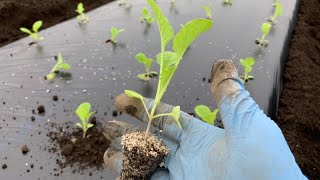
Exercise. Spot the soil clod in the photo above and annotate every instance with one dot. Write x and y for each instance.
(41, 109)
(25, 149)
(4, 166)
(55, 98)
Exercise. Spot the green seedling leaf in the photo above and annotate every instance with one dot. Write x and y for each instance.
(133, 94)
(208, 11)
(82, 18)
(36, 26)
(278, 11)
(247, 64)
(227, 2)
(175, 113)
(146, 16)
(166, 30)
(205, 113)
(188, 34)
(84, 114)
(114, 33)
(142, 58)
(65, 66)
(80, 8)
(266, 27)
(25, 30)
(60, 65)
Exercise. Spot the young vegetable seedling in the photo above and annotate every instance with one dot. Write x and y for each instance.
(82, 18)
(169, 60)
(247, 64)
(277, 12)
(84, 114)
(227, 2)
(265, 28)
(208, 11)
(146, 16)
(142, 58)
(35, 28)
(56, 68)
(122, 2)
(114, 34)
(205, 113)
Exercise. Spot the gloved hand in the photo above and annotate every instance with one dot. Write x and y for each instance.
(250, 147)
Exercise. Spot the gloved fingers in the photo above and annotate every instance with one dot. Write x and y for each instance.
(167, 124)
(114, 130)
(113, 159)
(160, 174)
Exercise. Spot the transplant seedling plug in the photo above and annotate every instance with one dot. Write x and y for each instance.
(247, 66)
(84, 114)
(60, 65)
(146, 16)
(35, 28)
(82, 18)
(205, 113)
(114, 34)
(142, 58)
(265, 28)
(277, 12)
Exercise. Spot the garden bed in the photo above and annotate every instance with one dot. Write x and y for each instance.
(100, 71)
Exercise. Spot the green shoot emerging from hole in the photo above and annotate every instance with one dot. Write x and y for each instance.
(142, 58)
(122, 2)
(277, 12)
(247, 64)
(56, 68)
(82, 18)
(227, 2)
(208, 11)
(35, 28)
(146, 16)
(114, 34)
(265, 28)
(84, 114)
(205, 113)
(169, 60)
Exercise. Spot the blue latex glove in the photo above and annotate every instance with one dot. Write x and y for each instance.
(250, 147)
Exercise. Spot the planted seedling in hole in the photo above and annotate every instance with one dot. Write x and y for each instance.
(142, 58)
(146, 16)
(277, 12)
(56, 68)
(35, 28)
(227, 2)
(82, 18)
(265, 28)
(169, 60)
(114, 34)
(208, 11)
(84, 114)
(122, 2)
(205, 113)
(247, 64)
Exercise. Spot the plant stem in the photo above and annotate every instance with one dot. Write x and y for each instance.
(262, 39)
(84, 134)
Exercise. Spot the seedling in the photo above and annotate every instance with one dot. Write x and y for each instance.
(58, 67)
(122, 2)
(275, 2)
(146, 16)
(114, 34)
(205, 113)
(227, 2)
(265, 28)
(142, 58)
(169, 60)
(84, 114)
(277, 12)
(208, 11)
(172, 2)
(82, 18)
(247, 64)
(35, 28)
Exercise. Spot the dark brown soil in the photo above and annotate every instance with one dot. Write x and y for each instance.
(299, 112)
(82, 153)
(50, 11)
(41, 109)
(25, 149)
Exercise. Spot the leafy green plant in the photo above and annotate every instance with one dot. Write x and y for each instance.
(208, 11)
(265, 28)
(146, 16)
(247, 64)
(84, 114)
(277, 12)
(60, 65)
(205, 113)
(81, 15)
(227, 2)
(114, 34)
(35, 28)
(169, 60)
(142, 58)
